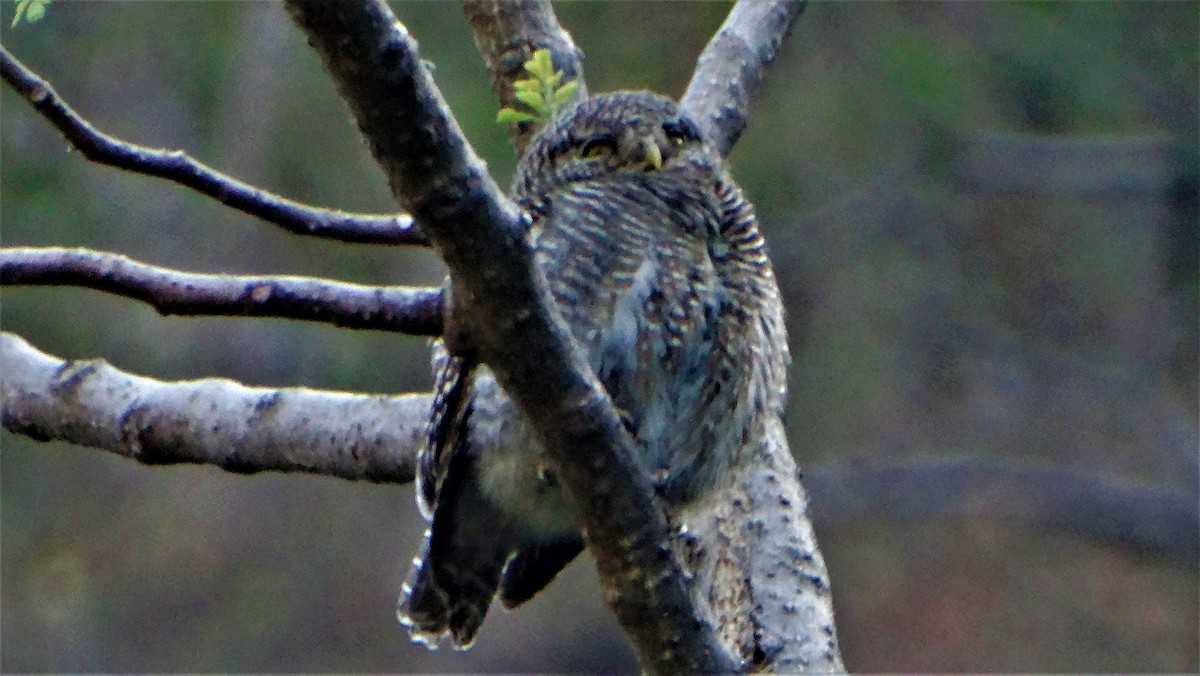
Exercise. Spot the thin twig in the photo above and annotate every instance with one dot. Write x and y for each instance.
(507, 33)
(177, 166)
(415, 311)
(212, 421)
(731, 67)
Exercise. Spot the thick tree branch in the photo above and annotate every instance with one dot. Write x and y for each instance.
(414, 311)
(507, 33)
(212, 421)
(480, 234)
(177, 166)
(751, 549)
(731, 68)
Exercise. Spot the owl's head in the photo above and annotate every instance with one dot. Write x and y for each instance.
(608, 134)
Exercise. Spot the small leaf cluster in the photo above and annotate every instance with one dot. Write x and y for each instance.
(543, 91)
(30, 11)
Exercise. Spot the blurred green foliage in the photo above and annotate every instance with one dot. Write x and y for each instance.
(29, 10)
(929, 315)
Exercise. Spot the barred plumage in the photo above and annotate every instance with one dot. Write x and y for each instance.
(654, 260)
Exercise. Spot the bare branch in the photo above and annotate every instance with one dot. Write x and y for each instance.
(212, 421)
(507, 33)
(415, 311)
(362, 437)
(480, 234)
(731, 68)
(177, 166)
(1144, 519)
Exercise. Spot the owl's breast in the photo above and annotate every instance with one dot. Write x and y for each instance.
(631, 273)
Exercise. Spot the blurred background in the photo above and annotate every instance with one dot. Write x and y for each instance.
(984, 220)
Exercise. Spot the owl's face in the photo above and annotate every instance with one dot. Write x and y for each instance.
(608, 134)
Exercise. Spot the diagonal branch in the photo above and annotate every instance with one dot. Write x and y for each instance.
(415, 311)
(507, 33)
(731, 68)
(211, 421)
(481, 236)
(177, 166)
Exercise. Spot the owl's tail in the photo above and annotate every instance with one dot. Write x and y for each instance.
(447, 594)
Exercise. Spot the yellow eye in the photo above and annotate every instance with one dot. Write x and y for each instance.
(680, 132)
(598, 147)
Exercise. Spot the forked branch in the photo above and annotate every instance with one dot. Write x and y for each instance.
(481, 236)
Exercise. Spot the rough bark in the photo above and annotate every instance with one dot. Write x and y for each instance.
(210, 421)
(731, 68)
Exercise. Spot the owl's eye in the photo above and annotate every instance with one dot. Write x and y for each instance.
(680, 131)
(598, 147)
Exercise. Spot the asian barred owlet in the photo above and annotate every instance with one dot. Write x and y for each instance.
(654, 260)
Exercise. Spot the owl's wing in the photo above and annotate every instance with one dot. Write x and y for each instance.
(745, 271)
(457, 571)
(446, 430)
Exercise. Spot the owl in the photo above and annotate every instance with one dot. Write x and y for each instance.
(654, 261)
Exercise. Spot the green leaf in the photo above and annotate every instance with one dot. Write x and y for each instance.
(527, 86)
(508, 115)
(534, 100)
(540, 66)
(30, 11)
(540, 91)
(565, 92)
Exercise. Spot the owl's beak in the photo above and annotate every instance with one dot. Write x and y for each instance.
(651, 151)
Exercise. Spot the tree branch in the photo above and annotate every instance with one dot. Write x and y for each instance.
(362, 437)
(414, 311)
(731, 68)
(753, 555)
(507, 33)
(211, 421)
(177, 166)
(480, 235)
(1107, 510)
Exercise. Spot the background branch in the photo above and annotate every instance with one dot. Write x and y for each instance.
(211, 421)
(479, 234)
(414, 311)
(1139, 518)
(177, 166)
(731, 68)
(507, 33)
